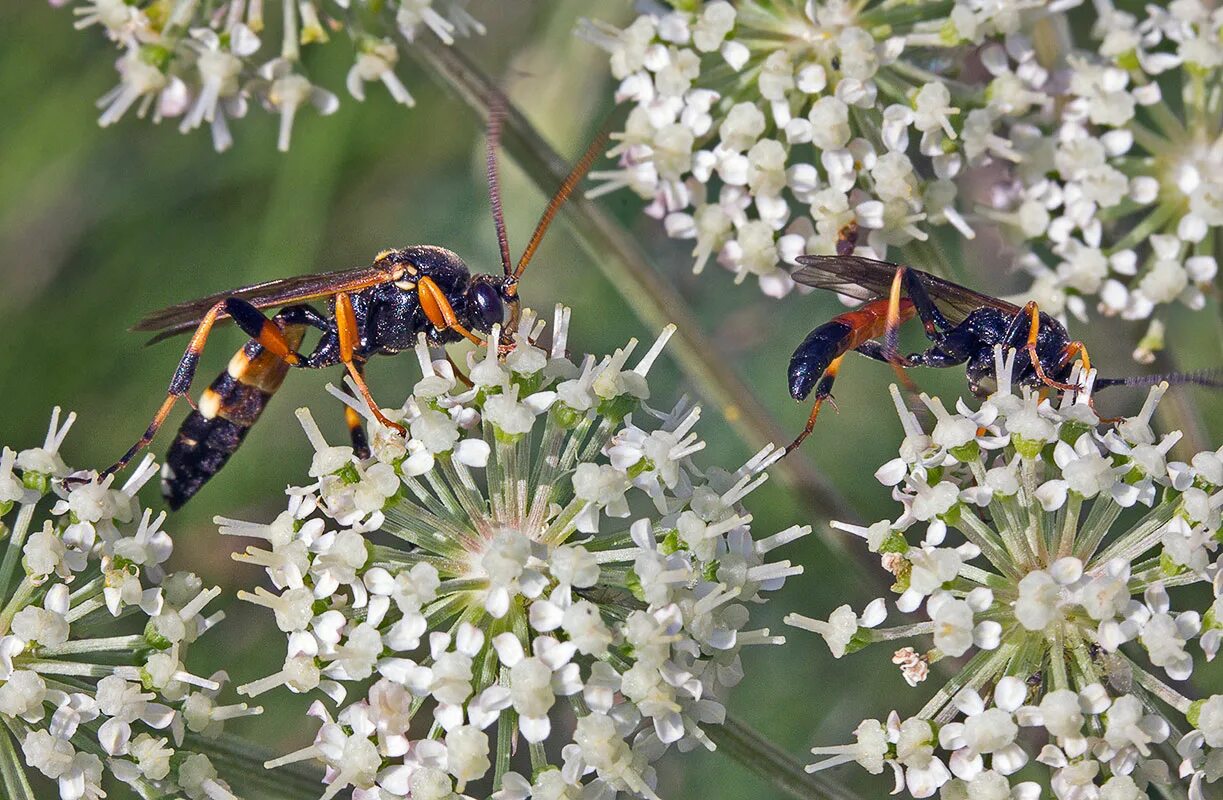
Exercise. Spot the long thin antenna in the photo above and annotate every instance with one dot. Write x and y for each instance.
(562, 194)
(496, 114)
(1210, 378)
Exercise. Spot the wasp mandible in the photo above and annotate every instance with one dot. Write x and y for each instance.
(964, 326)
(376, 310)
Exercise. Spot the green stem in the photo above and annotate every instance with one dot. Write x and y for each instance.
(12, 773)
(240, 762)
(13, 549)
(745, 745)
(645, 291)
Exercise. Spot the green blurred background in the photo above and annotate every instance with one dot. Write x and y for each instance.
(98, 227)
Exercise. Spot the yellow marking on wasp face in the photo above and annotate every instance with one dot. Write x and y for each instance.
(238, 364)
(407, 286)
(210, 404)
(383, 254)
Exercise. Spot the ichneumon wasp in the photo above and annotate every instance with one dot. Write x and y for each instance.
(963, 325)
(376, 310)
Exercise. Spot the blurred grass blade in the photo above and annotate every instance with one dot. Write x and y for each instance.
(651, 297)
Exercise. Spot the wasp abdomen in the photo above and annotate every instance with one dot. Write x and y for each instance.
(226, 411)
(812, 357)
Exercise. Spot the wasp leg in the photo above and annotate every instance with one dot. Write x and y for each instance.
(823, 391)
(348, 336)
(889, 351)
(356, 428)
(458, 373)
(932, 319)
(898, 363)
(1077, 348)
(184, 373)
(439, 311)
(1031, 313)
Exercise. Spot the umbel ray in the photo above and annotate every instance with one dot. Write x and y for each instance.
(380, 309)
(963, 326)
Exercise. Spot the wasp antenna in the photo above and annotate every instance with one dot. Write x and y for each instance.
(562, 194)
(496, 115)
(1210, 378)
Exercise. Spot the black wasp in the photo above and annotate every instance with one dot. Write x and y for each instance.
(374, 310)
(964, 326)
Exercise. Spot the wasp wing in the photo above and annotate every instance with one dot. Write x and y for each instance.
(185, 316)
(867, 279)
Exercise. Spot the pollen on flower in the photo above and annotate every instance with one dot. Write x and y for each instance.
(1012, 542)
(580, 564)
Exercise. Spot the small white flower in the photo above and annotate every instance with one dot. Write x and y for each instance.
(1041, 598)
(84, 554)
(516, 579)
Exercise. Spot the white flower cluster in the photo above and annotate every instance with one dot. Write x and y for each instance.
(204, 62)
(81, 697)
(1122, 186)
(766, 130)
(479, 570)
(1055, 586)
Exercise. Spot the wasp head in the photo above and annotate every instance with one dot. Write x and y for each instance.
(487, 297)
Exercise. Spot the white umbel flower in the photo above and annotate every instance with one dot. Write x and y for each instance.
(83, 700)
(763, 130)
(205, 63)
(1063, 613)
(1119, 178)
(557, 554)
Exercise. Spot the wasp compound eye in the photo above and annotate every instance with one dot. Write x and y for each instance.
(487, 309)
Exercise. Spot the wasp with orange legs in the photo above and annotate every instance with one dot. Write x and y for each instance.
(965, 326)
(376, 310)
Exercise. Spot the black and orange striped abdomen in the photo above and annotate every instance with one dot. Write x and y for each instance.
(835, 338)
(226, 410)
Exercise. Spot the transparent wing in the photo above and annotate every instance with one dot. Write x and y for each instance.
(270, 294)
(867, 279)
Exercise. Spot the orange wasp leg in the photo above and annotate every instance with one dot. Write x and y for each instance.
(439, 311)
(1032, 311)
(1077, 348)
(891, 335)
(252, 323)
(179, 384)
(458, 373)
(823, 392)
(346, 330)
(355, 423)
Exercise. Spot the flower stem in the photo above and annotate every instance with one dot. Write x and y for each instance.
(1160, 689)
(13, 552)
(241, 763)
(645, 291)
(745, 745)
(12, 773)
